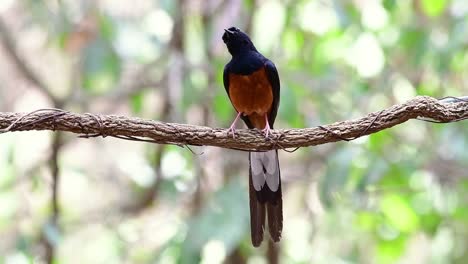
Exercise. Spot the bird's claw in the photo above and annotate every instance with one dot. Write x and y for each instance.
(267, 131)
(232, 128)
(232, 131)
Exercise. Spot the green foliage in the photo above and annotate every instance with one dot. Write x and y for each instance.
(101, 62)
(433, 8)
(101, 67)
(136, 102)
(391, 197)
(222, 219)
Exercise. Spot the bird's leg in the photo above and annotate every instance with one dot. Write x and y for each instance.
(232, 128)
(267, 129)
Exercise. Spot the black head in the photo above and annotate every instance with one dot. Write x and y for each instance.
(237, 41)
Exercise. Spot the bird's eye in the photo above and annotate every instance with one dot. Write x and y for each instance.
(245, 42)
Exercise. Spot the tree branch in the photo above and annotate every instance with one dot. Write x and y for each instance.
(93, 125)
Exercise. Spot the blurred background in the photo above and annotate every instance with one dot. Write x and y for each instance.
(397, 196)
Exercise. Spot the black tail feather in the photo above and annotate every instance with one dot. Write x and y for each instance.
(265, 203)
(275, 215)
(257, 216)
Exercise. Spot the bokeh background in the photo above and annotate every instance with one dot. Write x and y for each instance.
(397, 196)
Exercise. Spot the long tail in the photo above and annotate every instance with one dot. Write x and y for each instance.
(265, 195)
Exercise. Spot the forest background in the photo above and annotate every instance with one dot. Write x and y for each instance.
(397, 196)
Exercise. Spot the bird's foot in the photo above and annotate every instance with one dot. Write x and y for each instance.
(267, 131)
(232, 130)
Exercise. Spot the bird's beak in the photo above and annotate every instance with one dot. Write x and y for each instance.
(228, 31)
(227, 35)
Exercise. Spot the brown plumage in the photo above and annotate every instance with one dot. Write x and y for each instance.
(252, 95)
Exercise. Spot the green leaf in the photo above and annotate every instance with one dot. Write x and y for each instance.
(433, 8)
(389, 4)
(249, 3)
(430, 222)
(389, 251)
(399, 213)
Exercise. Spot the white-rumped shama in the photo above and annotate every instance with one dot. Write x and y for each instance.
(253, 86)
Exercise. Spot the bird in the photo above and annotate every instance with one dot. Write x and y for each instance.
(253, 87)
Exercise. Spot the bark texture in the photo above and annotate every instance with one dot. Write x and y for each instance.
(130, 128)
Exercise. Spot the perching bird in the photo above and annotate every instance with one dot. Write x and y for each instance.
(253, 86)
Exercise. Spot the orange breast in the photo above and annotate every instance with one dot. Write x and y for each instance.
(252, 95)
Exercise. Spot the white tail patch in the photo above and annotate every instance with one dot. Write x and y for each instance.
(264, 166)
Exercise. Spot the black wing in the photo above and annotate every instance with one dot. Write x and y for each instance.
(273, 77)
(226, 78)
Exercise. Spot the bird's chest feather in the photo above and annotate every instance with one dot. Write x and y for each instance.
(251, 94)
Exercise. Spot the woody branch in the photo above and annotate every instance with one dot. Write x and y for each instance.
(94, 125)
